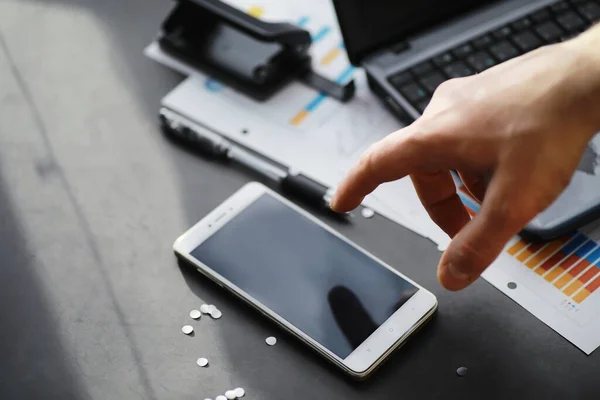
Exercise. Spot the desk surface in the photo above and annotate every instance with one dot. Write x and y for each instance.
(91, 199)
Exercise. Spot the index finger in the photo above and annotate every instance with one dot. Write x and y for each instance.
(392, 158)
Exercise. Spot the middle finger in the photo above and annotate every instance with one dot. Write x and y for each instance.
(437, 193)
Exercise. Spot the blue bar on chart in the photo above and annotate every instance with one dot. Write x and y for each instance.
(321, 34)
(314, 104)
(302, 21)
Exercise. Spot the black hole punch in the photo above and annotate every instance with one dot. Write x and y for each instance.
(512, 285)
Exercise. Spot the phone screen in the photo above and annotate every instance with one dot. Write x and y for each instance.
(582, 194)
(316, 281)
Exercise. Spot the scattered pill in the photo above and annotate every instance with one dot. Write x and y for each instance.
(220, 397)
(240, 392)
(367, 213)
(461, 371)
(187, 329)
(215, 313)
(271, 341)
(195, 314)
(202, 362)
(230, 394)
(205, 309)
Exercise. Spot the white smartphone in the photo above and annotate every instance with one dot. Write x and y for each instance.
(334, 296)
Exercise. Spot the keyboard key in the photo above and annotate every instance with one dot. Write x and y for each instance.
(559, 7)
(463, 51)
(549, 31)
(423, 68)
(541, 15)
(413, 92)
(569, 36)
(571, 21)
(526, 41)
(521, 24)
(457, 69)
(591, 11)
(432, 81)
(422, 105)
(443, 59)
(400, 79)
(502, 33)
(481, 61)
(504, 51)
(483, 42)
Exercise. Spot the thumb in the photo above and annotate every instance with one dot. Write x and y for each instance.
(480, 242)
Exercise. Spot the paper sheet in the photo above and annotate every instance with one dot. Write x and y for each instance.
(557, 282)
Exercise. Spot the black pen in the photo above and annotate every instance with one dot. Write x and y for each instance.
(217, 147)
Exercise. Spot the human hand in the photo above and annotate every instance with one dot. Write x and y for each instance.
(515, 133)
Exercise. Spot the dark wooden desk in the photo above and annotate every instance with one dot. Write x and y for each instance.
(91, 199)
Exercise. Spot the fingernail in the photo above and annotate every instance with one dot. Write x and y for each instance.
(457, 273)
(333, 203)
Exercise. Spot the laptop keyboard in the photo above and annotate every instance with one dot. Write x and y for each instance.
(562, 20)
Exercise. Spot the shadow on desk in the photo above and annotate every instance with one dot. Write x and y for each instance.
(33, 364)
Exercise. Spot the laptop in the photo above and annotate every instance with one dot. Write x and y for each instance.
(408, 48)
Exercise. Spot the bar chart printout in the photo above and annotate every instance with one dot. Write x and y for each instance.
(559, 281)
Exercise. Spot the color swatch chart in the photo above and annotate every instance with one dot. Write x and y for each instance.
(571, 264)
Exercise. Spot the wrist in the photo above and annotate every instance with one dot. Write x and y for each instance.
(586, 50)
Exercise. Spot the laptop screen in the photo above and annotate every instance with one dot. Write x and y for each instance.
(368, 25)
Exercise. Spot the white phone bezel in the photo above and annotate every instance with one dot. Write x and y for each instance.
(389, 336)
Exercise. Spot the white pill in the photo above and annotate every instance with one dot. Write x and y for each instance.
(216, 314)
(240, 392)
(202, 362)
(271, 341)
(187, 329)
(195, 314)
(220, 397)
(367, 213)
(230, 394)
(205, 309)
